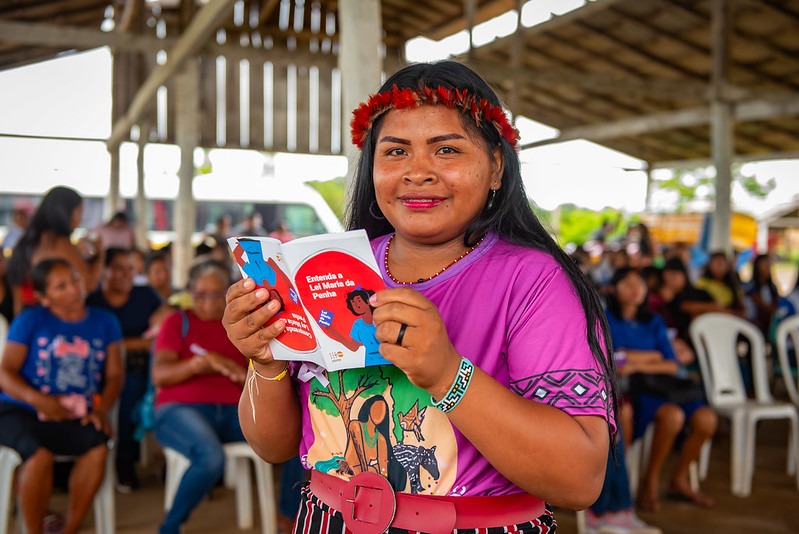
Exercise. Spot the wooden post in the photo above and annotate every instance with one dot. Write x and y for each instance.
(517, 47)
(721, 130)
(121, 80)
(360, 38)
(187, 134)
(470, 10)
(112, 200)
(140, 206)
(648, 194)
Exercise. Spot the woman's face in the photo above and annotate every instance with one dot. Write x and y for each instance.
(119, 274)
(718, 267)
(77, 215)
(674, 280)
(431, 178)
(359, 305)
(631, 290)
(158, 274)
(208, 295)
(64, 290)
(764, 268)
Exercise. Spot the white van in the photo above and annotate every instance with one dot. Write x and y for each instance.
(297, 203)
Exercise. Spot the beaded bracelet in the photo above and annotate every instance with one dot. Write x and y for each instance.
(280, 376)
(458, 388)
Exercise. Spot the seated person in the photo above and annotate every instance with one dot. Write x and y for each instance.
(199, 376)
(159, 274)
(613, 510)
(61, 373)
(678, 302)
(762, 297)
(643, 337)
(139, 311)
(720, 281)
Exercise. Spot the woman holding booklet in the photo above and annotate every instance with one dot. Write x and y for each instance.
(499, 398)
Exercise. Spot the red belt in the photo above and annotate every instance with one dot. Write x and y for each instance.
(369, 506)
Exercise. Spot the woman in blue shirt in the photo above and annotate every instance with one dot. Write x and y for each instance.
(61, 373)
(644, 340)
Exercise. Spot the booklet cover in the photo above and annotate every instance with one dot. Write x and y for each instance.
(323, 284)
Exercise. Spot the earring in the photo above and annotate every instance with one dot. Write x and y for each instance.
(490, 204)
(372, 213)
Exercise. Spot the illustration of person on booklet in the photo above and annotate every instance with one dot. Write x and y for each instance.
(363, 331)
(255, 267)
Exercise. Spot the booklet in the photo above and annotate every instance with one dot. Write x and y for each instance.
(323, 284)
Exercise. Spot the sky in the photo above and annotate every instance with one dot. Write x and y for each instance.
(71, 96)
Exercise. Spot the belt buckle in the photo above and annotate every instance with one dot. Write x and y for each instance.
(368, 504)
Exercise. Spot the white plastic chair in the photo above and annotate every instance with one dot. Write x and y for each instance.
(104, 508)
(238, 457)
(715, 336)
(637, 458)
(9, 460)
(3, 334)
(788, 330)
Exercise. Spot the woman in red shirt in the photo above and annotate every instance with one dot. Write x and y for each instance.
(199, 375)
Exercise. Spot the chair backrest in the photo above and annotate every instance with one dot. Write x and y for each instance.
(788, 329)
(3, 335)
(715, 337)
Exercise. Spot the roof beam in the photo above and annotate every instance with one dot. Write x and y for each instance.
(61, 37)
(267, 9)
(751, 110)
(50, 9)
(648, 57)
(482, 14)
(660, 89)
(202, 26)
(58, 36)
(738, 158)
(555, 22)
(739, 34)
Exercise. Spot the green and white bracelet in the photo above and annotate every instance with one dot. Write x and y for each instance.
(458, 388)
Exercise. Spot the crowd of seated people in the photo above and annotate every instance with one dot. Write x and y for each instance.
(651, 297)
(113, 327)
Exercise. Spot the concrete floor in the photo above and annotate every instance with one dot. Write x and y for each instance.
(773, 506)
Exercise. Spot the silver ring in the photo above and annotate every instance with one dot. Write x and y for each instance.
(401, 334)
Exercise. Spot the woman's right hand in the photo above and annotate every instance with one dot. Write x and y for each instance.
(245, 317)
(51, 409)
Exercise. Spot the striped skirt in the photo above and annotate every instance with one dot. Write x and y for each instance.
(315, 517)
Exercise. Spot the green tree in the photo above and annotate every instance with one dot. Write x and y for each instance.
(698, 183)
(579, 225)
(339, 396)
(334, 192)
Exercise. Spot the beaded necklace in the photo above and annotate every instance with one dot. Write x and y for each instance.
(420, 280)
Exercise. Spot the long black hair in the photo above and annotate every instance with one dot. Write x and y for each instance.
(730, 279)
(54, 214)
(642, 313)
(510, 215)
(364, 294)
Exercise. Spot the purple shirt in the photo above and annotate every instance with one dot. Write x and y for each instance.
(511, 311)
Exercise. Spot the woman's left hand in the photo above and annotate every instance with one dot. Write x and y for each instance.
(100, 420)
(226, 367)
(426, 354)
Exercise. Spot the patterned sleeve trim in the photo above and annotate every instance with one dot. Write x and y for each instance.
(571, 390)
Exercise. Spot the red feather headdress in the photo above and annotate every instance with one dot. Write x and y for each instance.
(479, 109)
